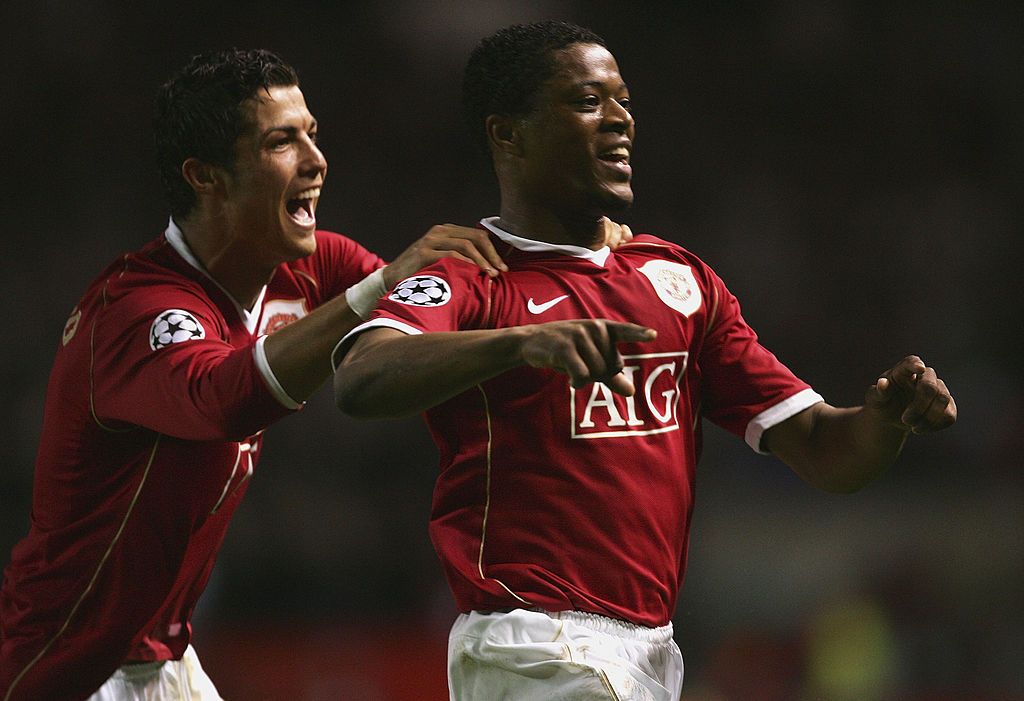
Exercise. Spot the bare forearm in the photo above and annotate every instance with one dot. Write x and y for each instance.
(389, 374)
(838, 450)
(300, 354)
(841, 450)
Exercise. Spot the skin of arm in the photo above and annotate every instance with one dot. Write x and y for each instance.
(388, 374)
(841, 450)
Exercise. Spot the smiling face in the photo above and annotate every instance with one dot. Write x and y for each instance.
(273, 186)
(578, 140)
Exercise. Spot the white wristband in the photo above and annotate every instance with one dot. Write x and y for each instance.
(362, 297)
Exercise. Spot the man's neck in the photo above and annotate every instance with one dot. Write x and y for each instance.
(586, 231)
(226, 258)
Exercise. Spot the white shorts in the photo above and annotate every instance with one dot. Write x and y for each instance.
(173, 680)
(539, 656)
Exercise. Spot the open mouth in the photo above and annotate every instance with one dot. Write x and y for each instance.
(618, 158)
(301, 208)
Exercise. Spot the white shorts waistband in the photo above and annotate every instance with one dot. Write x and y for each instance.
(135, 671)
(614, 626)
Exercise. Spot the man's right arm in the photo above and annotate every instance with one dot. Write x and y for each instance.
(299, 354)
(387, 374)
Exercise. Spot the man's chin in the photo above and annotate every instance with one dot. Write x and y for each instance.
(303, 245)
(616, 201)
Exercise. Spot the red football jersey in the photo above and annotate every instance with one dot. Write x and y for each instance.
(580, 499)
(153, 422)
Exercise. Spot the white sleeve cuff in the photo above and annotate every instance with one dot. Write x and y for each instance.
(777, 414)
(342, 346)
(268, 376)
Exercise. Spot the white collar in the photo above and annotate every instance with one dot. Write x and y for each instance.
(597, 257)
(176, 238)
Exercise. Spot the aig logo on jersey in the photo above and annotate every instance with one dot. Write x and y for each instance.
(174, 326)
(597, 412)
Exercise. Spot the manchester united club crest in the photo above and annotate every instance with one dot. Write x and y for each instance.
(278, 313)
(675, 284)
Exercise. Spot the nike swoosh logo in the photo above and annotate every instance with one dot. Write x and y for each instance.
(541, 308)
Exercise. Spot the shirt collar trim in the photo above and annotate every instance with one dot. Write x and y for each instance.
(176, 238)
(598, 257)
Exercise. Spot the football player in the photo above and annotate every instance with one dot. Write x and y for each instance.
(566, 395)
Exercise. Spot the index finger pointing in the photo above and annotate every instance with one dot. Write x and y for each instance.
(907, 371)
(626, 332)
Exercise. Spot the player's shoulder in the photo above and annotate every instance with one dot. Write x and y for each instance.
(439, 282)
(651, 246)
(331, 245)
(135, 290)
(333, 238)
(150, 277)
(335, 250)
(454, 269)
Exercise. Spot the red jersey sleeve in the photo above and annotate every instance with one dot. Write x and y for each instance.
(450, 295)
(162, 359)
(744, 387)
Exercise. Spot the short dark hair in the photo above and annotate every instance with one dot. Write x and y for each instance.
(198, 113)
(506, 69)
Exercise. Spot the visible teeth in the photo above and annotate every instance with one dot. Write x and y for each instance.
(620, 152)
(310, 194)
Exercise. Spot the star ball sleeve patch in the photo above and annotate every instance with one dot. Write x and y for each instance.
(422, 291)
(174, 326)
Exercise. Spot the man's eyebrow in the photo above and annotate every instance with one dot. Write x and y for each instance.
(288, 129)
(599, 84)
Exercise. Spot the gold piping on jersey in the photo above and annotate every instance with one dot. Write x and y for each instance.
(487, 503)
(312, 280)
(92, 363)
(95, 575)
(242, 448)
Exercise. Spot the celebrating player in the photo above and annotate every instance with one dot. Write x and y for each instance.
(170, 367)
(565, 396)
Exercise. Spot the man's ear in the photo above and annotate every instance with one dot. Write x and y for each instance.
(203, 177)
(505, 133)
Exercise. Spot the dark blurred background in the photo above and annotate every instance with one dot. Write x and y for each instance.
(852, 169)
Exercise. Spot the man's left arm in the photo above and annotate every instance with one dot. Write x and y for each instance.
(841, 450)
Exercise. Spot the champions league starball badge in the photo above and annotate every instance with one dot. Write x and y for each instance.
(422, 291)
(174, 326)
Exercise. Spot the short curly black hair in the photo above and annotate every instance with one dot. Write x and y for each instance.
(506, 69)
(198, 113)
